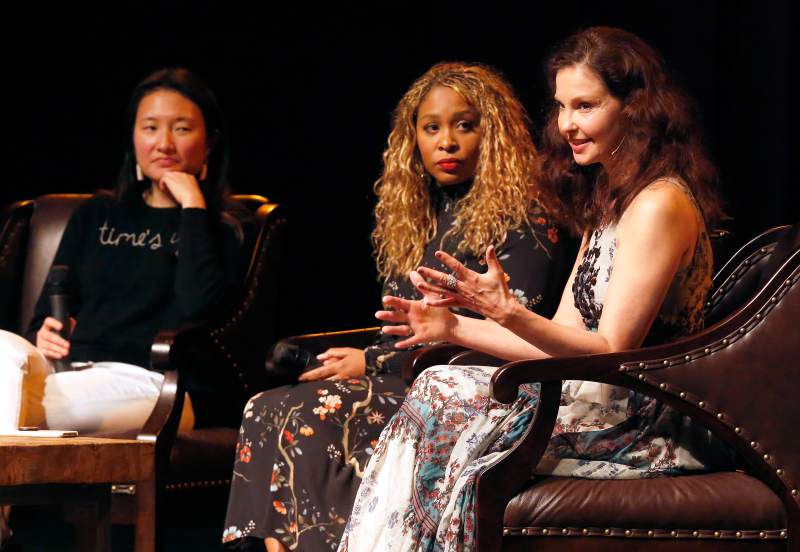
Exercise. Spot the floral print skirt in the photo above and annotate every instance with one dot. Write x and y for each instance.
(418, 492)
(301, 453)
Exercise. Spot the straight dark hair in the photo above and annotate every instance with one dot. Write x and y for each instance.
(661, 137)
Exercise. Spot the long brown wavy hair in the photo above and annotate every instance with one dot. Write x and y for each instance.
(502, 189)
(661, 135)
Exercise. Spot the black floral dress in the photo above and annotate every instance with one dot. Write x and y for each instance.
(303, 448)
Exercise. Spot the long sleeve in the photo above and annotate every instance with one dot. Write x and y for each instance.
(208, 266)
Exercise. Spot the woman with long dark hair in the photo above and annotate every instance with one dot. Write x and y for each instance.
(156, 252)
(621, 144)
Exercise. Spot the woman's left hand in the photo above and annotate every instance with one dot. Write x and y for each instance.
(183, 188)
(487, 294)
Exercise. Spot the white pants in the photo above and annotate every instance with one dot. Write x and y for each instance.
(109, 397)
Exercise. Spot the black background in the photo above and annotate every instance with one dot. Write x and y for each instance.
(309, 94)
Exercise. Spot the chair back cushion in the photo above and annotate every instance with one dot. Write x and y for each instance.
(49, 219)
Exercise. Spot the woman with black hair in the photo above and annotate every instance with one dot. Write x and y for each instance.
(157, 251)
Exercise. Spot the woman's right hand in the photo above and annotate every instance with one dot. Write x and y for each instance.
(417, 321)
(48, 340)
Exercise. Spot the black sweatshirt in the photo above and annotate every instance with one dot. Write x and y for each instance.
(135, 270)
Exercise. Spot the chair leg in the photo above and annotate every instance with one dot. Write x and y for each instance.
(146, 527)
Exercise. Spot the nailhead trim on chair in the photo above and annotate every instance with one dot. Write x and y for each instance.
(639, 369)
(644, 533)
(246, 305)
(723, 289)
(198, 484)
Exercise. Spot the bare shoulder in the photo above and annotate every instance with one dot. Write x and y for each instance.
(662, 205)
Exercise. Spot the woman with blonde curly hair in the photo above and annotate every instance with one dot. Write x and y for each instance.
(459, 175)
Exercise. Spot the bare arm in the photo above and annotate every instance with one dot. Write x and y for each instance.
(656, 236)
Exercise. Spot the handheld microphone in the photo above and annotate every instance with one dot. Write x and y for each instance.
(289, 360)
(56, 290)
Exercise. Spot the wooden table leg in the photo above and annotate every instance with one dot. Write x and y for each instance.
(146, 537)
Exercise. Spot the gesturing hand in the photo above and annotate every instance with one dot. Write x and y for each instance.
(487, 293)
(417, 321)
(338, 363)
(183, 188)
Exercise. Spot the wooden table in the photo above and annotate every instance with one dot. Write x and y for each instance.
(79, 470)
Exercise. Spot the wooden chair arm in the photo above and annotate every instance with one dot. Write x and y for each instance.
(316, 343)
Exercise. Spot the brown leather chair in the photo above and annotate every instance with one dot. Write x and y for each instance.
(233, 345)
(738, 378)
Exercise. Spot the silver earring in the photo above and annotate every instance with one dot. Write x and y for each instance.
(139, 174)
(204, 172)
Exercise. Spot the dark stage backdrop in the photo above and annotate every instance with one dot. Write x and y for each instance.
(309, 97)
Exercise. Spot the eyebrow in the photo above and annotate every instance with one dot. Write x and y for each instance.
(456, 114)
(177, 119)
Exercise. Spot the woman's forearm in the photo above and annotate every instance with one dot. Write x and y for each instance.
(526, 335)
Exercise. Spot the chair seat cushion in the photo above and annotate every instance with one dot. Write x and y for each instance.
(203, 454)
(713, 501)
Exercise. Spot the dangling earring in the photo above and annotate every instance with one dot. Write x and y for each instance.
(204, 172)
(139, 174)
(614, 152)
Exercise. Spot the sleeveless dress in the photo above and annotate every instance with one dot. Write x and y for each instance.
(302, 449)
(418, 491)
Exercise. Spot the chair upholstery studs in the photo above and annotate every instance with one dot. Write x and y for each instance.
(773, 299)
(663, 386)
(708, 303)
(701, 404)
(717, 534)
(758, 316)
(525, 532)
(794, 492)
(789, 282)
(779, 471)
(565, 531)
(641, 377)
(673, 533)
(783, 534)
(766, 457)
(738, 534)
(754, 444)
(706, 350)
(695, 533)
(682, 395)
(720, 415)
(667, 363)
(650, 533)
(628, 532)
(738, 430)
(762, 534)
(763, 249)
(607, 532)
(506, 532)
(725, 341)
(642, 365)
(687, 358)
(585, 531)
(742, 331)
(545, 532)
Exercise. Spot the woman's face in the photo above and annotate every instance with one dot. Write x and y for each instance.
(169, 135)
(589, 117)
(448, 136)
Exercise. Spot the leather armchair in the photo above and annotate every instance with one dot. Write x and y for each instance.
(738, 378)
(230, 346)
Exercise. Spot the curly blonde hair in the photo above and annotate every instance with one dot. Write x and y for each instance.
(504, 182)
